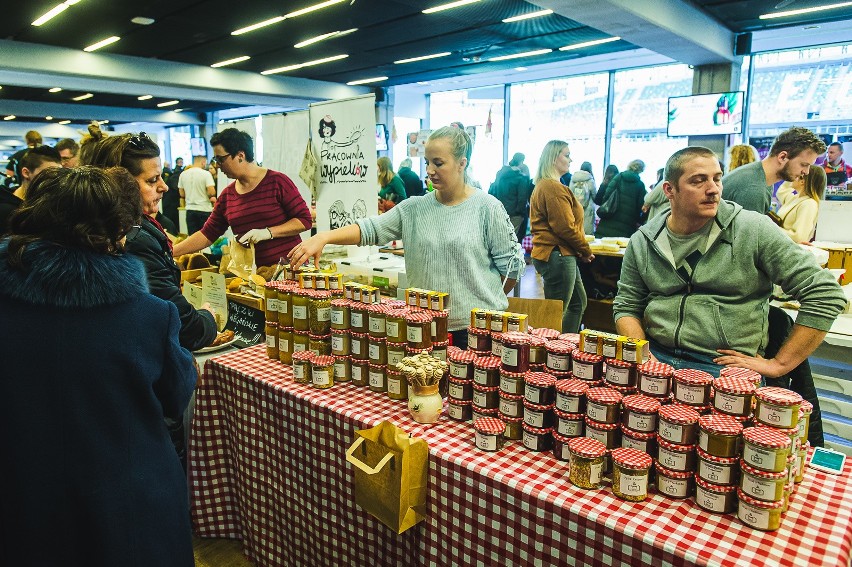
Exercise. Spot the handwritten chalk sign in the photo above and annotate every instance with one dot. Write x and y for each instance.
(247, 323)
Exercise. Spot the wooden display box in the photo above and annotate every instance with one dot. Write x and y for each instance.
(598, 315)
(841, 258)
(192, 275)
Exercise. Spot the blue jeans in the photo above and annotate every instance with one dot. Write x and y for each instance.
(679, 358)
(562, 281)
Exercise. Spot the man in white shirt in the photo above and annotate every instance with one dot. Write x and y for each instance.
(198, 189)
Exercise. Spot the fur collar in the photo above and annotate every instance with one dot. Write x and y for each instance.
(71, 277)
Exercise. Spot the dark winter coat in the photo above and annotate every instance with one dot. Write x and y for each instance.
(630, 200)
(91, 366)
(198, 328)
(413, 184)
(513, 189)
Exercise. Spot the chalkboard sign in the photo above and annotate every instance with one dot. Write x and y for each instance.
(247, 323)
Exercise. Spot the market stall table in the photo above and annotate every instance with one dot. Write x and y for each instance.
(267, 465)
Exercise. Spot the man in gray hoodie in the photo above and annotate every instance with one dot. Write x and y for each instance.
(697, 282)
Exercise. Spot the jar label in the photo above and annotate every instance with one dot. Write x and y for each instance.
(762, 489)
(631, 443)
(272, 305)
(779, 416)
(672, 460)
(394, 387)
(320, 283)
(271, 341)
(480, 376)
(584, 371)
(283, 344)
(565, 455)
(618, 375)
(356, 319)
(644, 422)
(598, 434)
(300, 312)
(534, 418)
(377, 379)
(415, 334)
(729, 403)
(530, 440)
(510, 385)
(479, 399)
(434, 329)
(456, 412)
(694, 395)
(340, 370)
(595, 472)
(558, 362)
(323, 314)
(337, 343)
(713, 501)
(608, 350)
(497, 349)
(321, 377)
(714, 472)
(282, 306)
(336, 316)
(472, 341)
(395, 356)
(703, 438)
(356, 373)
(532, 393)
(486, 442)
(440, 353)
(763, 459)
(633, 485)
(568, 404)
(803, 423)
(356, 346)
(392, 328)
(590, 347)
(654, 385)
(456, 391)
(377, 324)
(458, 370)
(424, 302)
(570, 428)
(509, 407)
(671, 431)
(513, 325)
(753, 516)
(299, 347)
(596, 411)
(678, 487)
(375, 352)
(509, 356)
(298, 372)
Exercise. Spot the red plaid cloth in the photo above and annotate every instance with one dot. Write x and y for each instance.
(267, 465)
(526, 244)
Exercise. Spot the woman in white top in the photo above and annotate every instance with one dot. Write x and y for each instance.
(800, 204)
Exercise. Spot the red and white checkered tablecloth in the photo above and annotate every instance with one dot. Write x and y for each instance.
(268, 466)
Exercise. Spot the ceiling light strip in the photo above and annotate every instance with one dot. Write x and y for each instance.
(258, 25)
(231, 61)
(589, 43)
(168, 103)
(313, 8)
(366, 81)
(102, 43)
(422, 58)
(316, 39)
(144, 97)
(278, 19)
(306, 64)
(55, 90)
(801, 11)
(82, 97)
(449, 6)
(63, 122)
(50, 14)
(529, 16)
(10, 117)
(519, 55)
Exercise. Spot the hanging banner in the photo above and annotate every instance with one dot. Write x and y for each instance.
(345, 147)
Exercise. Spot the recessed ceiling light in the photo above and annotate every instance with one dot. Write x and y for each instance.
(365, 81)
(423, 57)
(144, 97)
(589, 43)
(55, 90)
(324, 36)
(168, 103)
(258, 25)
(48, 117)
(102, 43)
(319, 6)
(10, 117)
(231, 61)
(528, 16)
(520, 68)
(306, 64)
(142, 21)
(422, 82)
(53, 12)
(449, 6)
(519, 55)
(83, 97)
(63, 122)
(800, 11)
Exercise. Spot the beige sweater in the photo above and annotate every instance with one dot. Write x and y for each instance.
(798, 213)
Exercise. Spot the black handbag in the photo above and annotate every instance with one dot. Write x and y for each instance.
(610, 206)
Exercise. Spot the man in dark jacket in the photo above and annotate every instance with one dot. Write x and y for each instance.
(413, 184)
(513, 189)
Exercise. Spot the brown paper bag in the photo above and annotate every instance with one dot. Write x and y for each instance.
(242, 262)
(391, 469)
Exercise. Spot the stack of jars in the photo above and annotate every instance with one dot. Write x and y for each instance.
(538, 405)
(315, 370)
(460, 388)
(603, 416)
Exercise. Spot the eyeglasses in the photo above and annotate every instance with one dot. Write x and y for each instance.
(219, 159)
(140, 141)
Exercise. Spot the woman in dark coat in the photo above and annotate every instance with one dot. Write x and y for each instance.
(631, 198)
(91, 366)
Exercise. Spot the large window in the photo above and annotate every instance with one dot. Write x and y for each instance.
(640, 116)
(481, 108)
(571, 109)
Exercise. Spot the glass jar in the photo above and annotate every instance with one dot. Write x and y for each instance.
(342, 369)
(676, 457)
(603, 405)
(440, 326)
(439, 350)
(692, 387)
(560, 447)
(271, 330)
(761, 484)
(302, 366)
(803, 459)
(359, 346)
(498, 322)
(488, 433)
(360, 372)
(480, 319)
(497, 344)
(765, 449)
(425, 403)
(515, 356)
(545, 333)
(537, 439)
(678, 424)
(719, 435)
(478, 339)
(620, 373)
(459, 410)
(483, 412)
(540, 388)
(396, 352)
(569, 424)
(377, 350)
(300, 310)
(630, 471)
(285, 344)
(777, 407)
(485, 397)
(757, 514)
(377, 319)
(571, 395)
(639, 440)
(285, 306)
(558, 355)
(322, 372)
(536, 415)
(511, 405)
(486, 371)
(805, 411)
(340, 314)
(397, 385)
(538, 352)
(419, 330)
(270, 301)
(512, 383)
(639, 413)
(734, 395)
(514, 427)
(460, 389)
(319, 344)
(358, 317)
(674, 484)
(587, 459)
(340, 342)
(607, 433)
(590, 342)
(319, 313)
(719, 499)
(395, 328)
(301, 340)
(587, 366)
(733, 371)
(461, 364)
(377, 378)
(655, 379)
(718, 470)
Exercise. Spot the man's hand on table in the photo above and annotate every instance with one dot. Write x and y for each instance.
(767, 367)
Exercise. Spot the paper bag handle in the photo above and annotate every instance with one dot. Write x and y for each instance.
(361, 464)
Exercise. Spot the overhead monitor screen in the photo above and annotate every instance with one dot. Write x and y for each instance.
(706, 114)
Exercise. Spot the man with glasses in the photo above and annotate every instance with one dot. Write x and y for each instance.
(68, 150)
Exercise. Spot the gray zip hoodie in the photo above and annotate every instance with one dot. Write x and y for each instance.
(724, 304)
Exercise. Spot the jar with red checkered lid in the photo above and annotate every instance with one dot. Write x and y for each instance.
(571, 395)
(559, 355)
(538, 415)
(538, 352)
(537, 439)
(587, 462)
(678, 424)
(607, 433)
(483, 412)
(489, 433)
(777, 407)
(765, 448)
(718, 470)
(512, 382)
(573, 338)
(560, 447)
(603, 405)
(486, 371)
(540, 388)
(461, 364)
(793, 434)
(719, 435)
(485, 397)
(620, 373)
(419, 330)
(377, 378)
(396, 352)
(630, 471)
(734, 395)
(439, 350)
(676, 457)
(360, 372)
(646, 442)
(569, 424)
(547, 334)
(655, 379)
(395, 327)
(514, 427)
(586, 366)
(302, 366)
(692, 387)
(342, 369)
(377, 315)
(322, 371)
(762, 485)
(459, 410)
(639, 413)
(674, 484)
(460, 389)
(511, 405)
(440, 326)
(515, 356)
(716, 498)
(805, 411)
(478, 339)
(758, 514)
(497, 344)
(738, 372)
